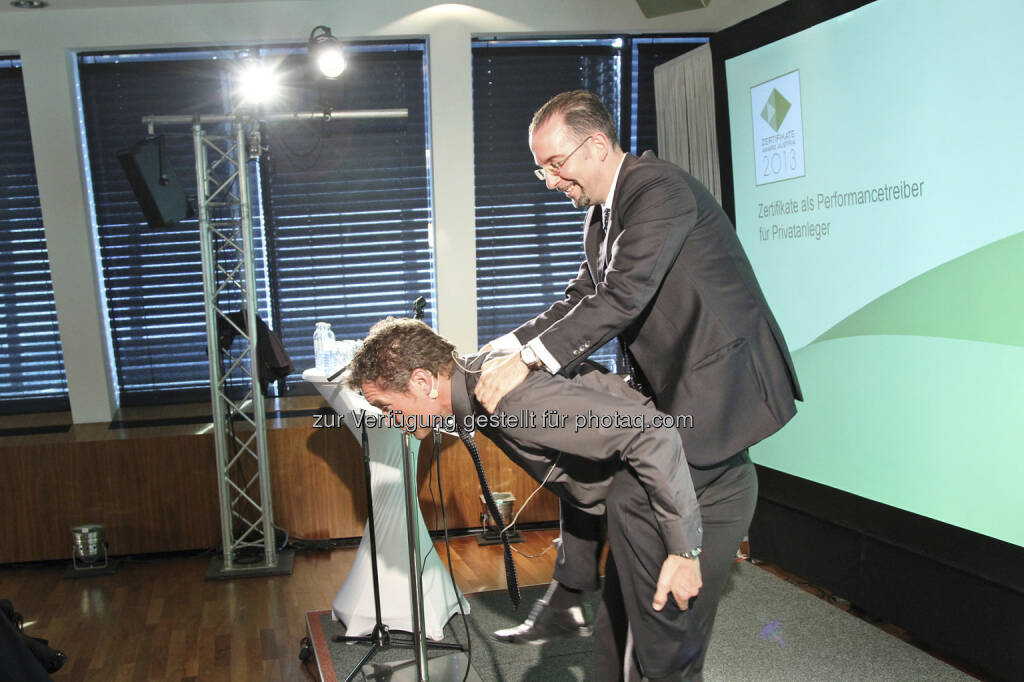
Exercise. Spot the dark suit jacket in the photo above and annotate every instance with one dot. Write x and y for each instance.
(679, 292)
(576, 456)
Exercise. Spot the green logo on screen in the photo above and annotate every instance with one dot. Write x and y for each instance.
(775, 110)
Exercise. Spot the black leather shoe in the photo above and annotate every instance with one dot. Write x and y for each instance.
(544, 623)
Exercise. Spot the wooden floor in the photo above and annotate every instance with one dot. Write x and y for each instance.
(158, 619)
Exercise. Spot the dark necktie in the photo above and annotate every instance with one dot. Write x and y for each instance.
(511, 581)
(602, 257)
(636, 380)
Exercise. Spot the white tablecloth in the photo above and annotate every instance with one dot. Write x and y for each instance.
(354, 603)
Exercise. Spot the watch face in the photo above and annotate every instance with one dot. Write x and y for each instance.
(528, 356)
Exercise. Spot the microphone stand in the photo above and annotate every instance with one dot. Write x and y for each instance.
(452, 667)
(447, 667)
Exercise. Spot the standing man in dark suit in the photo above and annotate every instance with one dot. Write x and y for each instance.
(666, 274)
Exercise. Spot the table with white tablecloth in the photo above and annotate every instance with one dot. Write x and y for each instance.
(353, 604)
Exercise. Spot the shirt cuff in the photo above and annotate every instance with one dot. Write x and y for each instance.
(547, 358)
(681, 537)
(507, 343)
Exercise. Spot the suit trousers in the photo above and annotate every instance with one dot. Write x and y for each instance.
(670, 644)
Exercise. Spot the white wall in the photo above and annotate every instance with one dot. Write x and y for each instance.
(47, 41)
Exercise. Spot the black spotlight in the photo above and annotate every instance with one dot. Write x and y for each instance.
(325, 52)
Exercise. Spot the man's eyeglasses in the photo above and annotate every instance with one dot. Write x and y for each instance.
(543, 173)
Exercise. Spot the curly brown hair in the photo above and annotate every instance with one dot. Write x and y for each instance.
(395, 347)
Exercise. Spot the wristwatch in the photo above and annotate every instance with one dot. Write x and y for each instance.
(529, 358)
(692, 554)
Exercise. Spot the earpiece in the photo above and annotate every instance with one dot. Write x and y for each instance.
(433, 388)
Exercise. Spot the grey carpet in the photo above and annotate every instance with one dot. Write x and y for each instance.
(767, 629)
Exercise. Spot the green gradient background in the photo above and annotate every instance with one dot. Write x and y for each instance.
(908, 320)
(916, 399)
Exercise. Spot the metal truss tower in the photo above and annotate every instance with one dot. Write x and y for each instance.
(229, 285)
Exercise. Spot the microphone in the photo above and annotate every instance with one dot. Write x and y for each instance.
(418, 306)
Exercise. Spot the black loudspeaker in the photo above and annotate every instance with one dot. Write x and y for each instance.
(158, 192)
(659, 8)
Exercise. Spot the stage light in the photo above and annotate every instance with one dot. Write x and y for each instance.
(325, 51)
(331, 63)
(490, 530)
(89, 552)
(88, 544)
(258, 83)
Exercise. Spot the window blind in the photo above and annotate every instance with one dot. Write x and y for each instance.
(341, 209)
(529, 239)
(152, 277)
(32, 376)
(348, 201)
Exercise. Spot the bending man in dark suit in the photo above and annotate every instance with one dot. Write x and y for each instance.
(665, 274)
(597, 444)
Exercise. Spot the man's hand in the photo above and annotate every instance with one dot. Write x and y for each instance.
(499, 376)
(679, 576)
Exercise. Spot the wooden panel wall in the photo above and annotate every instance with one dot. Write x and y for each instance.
(319, 483)
(150, 494)
(158, 492)
(462, 488)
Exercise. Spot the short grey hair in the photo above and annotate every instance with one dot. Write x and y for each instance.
(584, 114)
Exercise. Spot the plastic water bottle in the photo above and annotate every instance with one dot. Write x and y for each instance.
(346, 349)
(320, 345)
(330, 349)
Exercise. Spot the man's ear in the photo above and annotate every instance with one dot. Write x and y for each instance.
(601, 145)
(421, 380)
